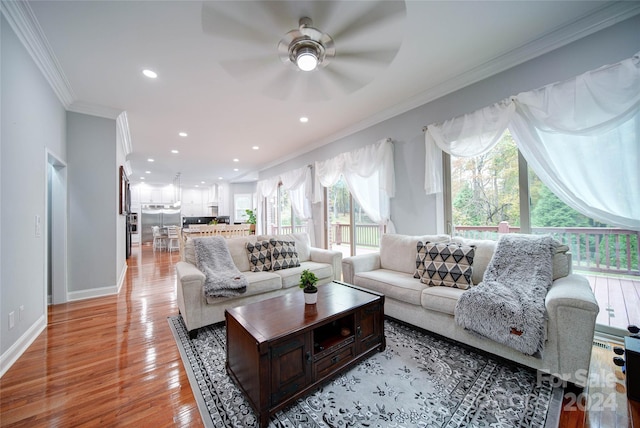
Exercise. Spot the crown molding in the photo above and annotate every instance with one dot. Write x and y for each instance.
(122, 123)
(24, 23)
(94, 110)
(602, 18)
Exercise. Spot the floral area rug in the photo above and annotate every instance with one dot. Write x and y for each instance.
(419, 380)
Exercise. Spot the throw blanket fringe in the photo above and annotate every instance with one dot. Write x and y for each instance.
(508, 306)
(222, 277)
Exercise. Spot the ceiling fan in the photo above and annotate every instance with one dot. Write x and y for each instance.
(337, 48)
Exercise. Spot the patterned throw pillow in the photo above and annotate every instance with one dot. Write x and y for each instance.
(284, 254)
(449, 264)
(259, 254)
(420, 256)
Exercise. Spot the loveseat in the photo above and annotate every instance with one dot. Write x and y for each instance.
(571, 307)
(197, 310)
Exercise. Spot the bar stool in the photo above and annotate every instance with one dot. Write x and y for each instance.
(174, 238)
(159, 241)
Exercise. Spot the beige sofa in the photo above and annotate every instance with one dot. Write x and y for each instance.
(198, 311)
(571, 307)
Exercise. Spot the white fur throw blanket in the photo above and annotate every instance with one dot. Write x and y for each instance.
(508, 305)
(222, 277)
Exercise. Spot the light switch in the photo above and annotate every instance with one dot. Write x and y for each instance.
(38, 229)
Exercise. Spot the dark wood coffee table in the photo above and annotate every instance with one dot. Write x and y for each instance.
(279, 349)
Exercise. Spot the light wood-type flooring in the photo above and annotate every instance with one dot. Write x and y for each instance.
(112, 361)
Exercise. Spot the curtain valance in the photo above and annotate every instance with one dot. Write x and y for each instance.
(369, 175)
(580, 136)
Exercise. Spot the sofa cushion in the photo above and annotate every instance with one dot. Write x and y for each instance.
(190, 251)
(238, 249)
(303, 245)
(393, 284)
(421, 255)
(259, 254)
(259, 282)
(441, 299)
(283, 254)
(448, 264)
(398, 252)
(482, 257)
(484, 253)
(291, 277)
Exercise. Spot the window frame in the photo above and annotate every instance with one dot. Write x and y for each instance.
(523, 188)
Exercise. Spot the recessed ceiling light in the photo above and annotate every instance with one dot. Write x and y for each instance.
(304, 119)
(182, 134)
(141, 178)
(197, 185)
(219, 178)
(236, 160)
(174, 151)
(235, 169)
(147, 172)
(150, 74)
(255, 148)
(202, 182)
(149, 160)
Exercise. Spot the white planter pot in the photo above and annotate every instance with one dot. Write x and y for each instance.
(310, 298)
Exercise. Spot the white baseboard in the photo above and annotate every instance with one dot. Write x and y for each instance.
(20, 346)
(90, 294)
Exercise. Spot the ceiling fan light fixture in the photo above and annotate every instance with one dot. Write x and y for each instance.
(307, 59)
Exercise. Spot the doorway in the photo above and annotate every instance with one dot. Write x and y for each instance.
(56, 230)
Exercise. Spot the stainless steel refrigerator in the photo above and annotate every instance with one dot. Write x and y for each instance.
(154, 215)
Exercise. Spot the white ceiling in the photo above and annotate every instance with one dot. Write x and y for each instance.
(103, 46)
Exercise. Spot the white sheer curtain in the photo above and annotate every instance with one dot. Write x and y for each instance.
(298, 184)
(466, 136)
(370, 177)
(265, 189)
(580, 136)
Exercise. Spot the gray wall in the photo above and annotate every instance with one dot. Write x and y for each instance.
(93, 178)
(32, 120)
(414, 212)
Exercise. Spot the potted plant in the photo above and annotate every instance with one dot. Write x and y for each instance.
(251, 219)
(308, 281)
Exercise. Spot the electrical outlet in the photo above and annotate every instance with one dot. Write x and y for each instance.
(20, 312)
(12, 321)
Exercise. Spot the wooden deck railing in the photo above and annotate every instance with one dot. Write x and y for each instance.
(597, 249)
(367, 235)
(283, 230)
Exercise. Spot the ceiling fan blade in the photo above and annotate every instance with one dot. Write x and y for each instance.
(282, 85)
(247, 68)
(344, 79)
(370, 18)
(224, 23)
(380, 56)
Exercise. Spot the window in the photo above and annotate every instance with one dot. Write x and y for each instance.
(343, 211)
(497, 192)
(280, 215)
(485, 191)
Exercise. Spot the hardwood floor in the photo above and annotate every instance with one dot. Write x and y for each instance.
(113, 361)
(109, 361)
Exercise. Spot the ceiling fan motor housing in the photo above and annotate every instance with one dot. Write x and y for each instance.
(306, 40)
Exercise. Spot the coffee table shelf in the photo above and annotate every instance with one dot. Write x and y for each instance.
(279, 349)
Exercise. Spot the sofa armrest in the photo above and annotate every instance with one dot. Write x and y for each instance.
(361, 263)
(189, 291)
(572, 310)
(334, 258)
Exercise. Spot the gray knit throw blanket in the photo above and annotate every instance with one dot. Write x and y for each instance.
(222, 277)
(508, 306)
